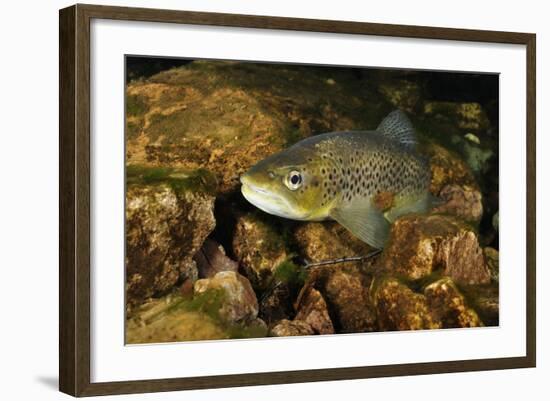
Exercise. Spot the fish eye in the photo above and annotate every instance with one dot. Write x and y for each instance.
(293, 180)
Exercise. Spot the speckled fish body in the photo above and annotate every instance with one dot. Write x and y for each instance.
(362, 179)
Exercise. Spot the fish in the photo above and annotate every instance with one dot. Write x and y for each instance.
(364, 180)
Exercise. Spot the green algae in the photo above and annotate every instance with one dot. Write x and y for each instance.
(290, 273)
(135, 105)
(199, 180)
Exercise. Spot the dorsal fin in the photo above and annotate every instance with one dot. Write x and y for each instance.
(397, 127)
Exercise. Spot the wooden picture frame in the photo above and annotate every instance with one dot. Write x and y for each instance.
(74, 203)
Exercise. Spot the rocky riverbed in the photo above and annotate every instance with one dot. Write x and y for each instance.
(202, 263)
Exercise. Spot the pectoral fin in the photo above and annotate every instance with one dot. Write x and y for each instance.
(364, 221)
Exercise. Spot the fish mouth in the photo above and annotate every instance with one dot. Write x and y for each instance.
(266, 200)
(260, 197)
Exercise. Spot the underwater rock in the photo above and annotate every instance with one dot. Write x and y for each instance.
(287, 327)
(186, 318)
(276, 304)
(346, 292)
(448, 306)
(491, 257)
(485, 300)
(468, 116)
(165, 226)
(313, 310)
(461, 201)
(259, 249)
(400, 308)
(495, 221)
(166, 319)
(447, 169)
(211, 259)
(401, 93)
(226, 116)
(239, 302)
(327, 240)
(478, 158)
(420, 245)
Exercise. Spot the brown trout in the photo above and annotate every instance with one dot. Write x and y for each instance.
(362, 179)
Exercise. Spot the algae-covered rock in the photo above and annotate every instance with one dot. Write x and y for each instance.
(239, 301)
(276, 302)
(327, 240)
(259, 248)
(492, 258)
(211, 259)
(400, 308)
(345, 289)
(462, 201)
(185, 326)
(447, 305)
(447, 168)
(226, 116)
(199, 316)
(420, 245)
(485, 300)
(468, 116)
(313, 310)
(401, 93)
(287, 327)
(166, 223)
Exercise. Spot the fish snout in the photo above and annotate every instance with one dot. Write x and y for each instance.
(244, 178)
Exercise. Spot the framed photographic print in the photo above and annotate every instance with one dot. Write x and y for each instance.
(251, 200)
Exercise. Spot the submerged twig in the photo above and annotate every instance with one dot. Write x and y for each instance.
(309, 265)
(342, 260)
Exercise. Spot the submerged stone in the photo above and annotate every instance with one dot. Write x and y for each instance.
(492, 258)
(448, 306)
(313, 310)
(461, 201)
(327, 240)
(447, 169)
(239, 303)
(211, 259)
(345, 289)
(165, 227)
(287, 327)
(169, 319)
(259, 249)
(275, 303)
(400, 308)
(467, 116)
(421, 245)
